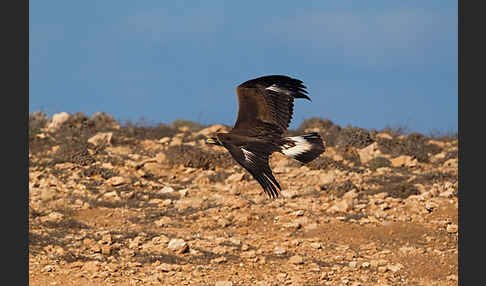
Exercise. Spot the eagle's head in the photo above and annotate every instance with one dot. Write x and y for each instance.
(213, 140)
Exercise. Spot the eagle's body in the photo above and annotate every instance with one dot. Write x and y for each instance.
(265, 108)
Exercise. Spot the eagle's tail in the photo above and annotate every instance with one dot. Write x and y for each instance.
(303, 148)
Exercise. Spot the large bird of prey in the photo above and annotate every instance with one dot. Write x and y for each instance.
(265, 108)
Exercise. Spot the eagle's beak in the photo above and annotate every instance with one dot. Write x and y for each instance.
(211, 141)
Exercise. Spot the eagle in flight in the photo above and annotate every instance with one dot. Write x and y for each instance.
(265, 108)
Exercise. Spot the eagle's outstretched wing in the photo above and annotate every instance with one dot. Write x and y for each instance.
(265, 104)
(255, 161)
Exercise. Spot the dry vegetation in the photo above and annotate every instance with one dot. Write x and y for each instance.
(137, 204)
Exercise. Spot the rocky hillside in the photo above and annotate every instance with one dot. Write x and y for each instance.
(132, 204)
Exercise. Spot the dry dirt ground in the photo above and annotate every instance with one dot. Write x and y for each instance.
(139, 205)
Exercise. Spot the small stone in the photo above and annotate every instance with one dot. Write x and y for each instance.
(353, 264)
(369, 152)
(154, 168)
(316, 245)
(164, 140)
(106, 249)
(452, 228)
(296, 259)
(249, 254)
(289, 194)
(430, 206)
(343, 205)
(382, 269)
(223, 283)
(209, 131)
(176, 141)
(112, 196)
(403, 161)
(57, 120)
(165, 267)
(117, 180)
(223, 222)
(298, 213)
(183, 193)
(47, 194)
(178, 245)
(163, 221)
(220, 259)
(451, 163)
(101, 138)
(384, 135)
(452, 277)
(91, 266)
(292, 226)
(395, 267)
(279, 250)
(311, 226)
(327, 178)
(314, 267)
(161, 239)
(377, 263)
(52, 217)
(161, 158)
(236, 177)
(166, 190)
(48, 268)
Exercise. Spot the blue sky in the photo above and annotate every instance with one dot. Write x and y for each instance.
(370, 64)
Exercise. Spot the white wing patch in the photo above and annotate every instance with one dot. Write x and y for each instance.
(248, 155)
(275, 88)
(301, 146)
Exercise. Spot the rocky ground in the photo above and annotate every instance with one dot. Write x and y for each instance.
(127, 204)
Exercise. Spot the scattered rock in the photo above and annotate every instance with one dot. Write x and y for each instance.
(403, 161)
(279, 250)
(163, 221)
(91, 266)
(117, 181)
(369, 152)
(220, 259)
(142, 212)
(47, 194)
(327, 178)
(166, 267)
(101, 138)
(211, 130)
(57, 120)
(343, 205)
(155, 168)
(394, 267)
(452, 228)
(316, 245)
(224, 283)
(296, 259)
(52, 217)
(178, 245)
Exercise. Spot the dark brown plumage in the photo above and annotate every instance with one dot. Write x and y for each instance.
(265, 109)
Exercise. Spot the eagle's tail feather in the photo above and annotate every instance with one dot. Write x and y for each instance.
(303, 148)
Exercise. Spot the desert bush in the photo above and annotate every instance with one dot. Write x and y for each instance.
(415, 145)
(316, 122)
(193, 126)
(195, 157)
(142, 131)
(37, 121)
(354, 136)
(379, 162)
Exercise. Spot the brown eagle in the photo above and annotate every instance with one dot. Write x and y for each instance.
(265, 108)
